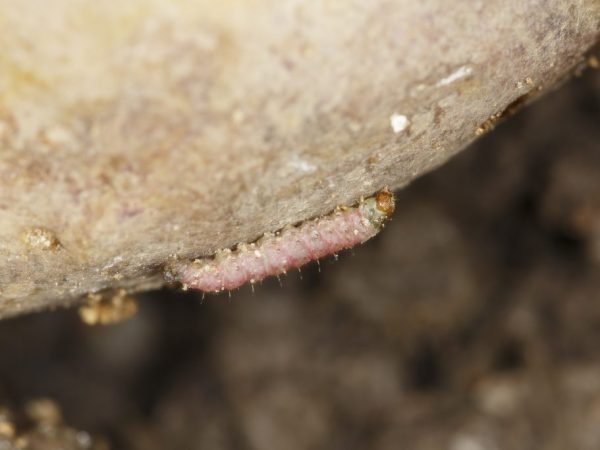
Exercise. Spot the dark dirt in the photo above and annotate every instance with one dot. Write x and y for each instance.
(471, 323)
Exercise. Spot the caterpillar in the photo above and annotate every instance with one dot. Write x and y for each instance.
(291, 247)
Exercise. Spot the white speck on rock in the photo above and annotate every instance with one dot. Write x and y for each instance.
(459, 73)
(238, 116)
(113, 262)
(399, 122)
(302, 165)
(58, 135)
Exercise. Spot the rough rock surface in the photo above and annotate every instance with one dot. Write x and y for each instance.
(134, 131)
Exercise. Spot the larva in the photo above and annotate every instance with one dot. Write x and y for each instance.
(291, 247)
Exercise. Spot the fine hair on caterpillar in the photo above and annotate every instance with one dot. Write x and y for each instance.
(291, 247)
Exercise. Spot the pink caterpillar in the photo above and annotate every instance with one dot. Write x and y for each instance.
(291, 247)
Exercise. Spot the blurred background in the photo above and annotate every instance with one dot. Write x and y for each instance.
(471, 323)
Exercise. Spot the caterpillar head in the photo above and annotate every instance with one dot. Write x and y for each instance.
(378, 208)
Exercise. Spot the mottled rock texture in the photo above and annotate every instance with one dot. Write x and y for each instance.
(134, 131)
